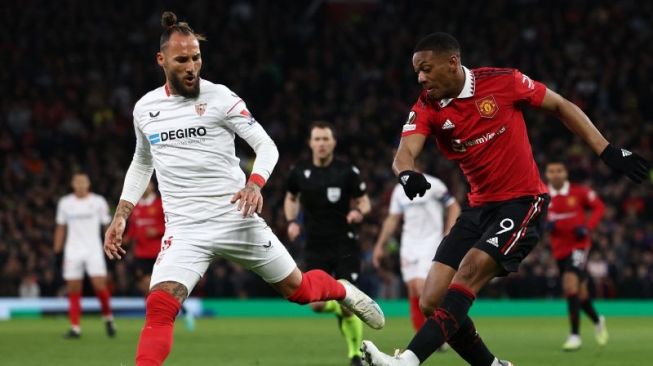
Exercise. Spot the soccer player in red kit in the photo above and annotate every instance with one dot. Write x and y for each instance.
(476, 118)
(569, 231)
(145, 230)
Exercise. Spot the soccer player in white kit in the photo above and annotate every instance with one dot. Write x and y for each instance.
(185, 131)
(423, 229)
(81, 216)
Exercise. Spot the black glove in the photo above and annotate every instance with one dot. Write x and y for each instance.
(414, 183)
(581, 232)
(626, 162)
(550, 226)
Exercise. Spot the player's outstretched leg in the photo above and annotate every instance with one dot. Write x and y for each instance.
(317, 285)
(469, 345)
(476, 269)
(374, 357)
(161, 308)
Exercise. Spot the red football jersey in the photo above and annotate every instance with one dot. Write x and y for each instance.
(146, 227)
(568, 210)
(484, 132)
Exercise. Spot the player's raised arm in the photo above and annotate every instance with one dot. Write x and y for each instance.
(621, 160)
(403, 165)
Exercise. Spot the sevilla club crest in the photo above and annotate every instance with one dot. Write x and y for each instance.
(487, 106)
(200, 108)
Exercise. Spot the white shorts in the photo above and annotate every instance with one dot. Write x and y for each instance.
(416, 261)
(92, 263)
(187, 250)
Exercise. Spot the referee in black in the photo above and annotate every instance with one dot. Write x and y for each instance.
(334, 198)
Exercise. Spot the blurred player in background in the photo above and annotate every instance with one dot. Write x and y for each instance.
(570, 235)
(332, 195)
(186, 130)
(477, 120)
(422, 232)
(81, 216)
(145, 230)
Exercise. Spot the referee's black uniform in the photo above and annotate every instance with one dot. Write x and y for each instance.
(325, 194)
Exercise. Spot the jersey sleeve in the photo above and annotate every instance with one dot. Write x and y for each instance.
(396, 208)
(292, 183)
(527, 90)
(441, 193)
(105, 218)
(141, 168)
(419, 120)
(357, 186)
(239, 119)
(596, 206)
(61, 214)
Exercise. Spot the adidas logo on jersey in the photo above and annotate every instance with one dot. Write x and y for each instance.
(448, 125)
(494, 241)
(625, 153)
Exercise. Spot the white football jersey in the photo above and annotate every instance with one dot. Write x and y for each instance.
(83, 218)
(190, 143)
(423, 216)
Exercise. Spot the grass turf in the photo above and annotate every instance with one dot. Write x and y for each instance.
(313, 341)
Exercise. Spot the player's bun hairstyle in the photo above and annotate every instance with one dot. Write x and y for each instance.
(438, 42)
(170, 26)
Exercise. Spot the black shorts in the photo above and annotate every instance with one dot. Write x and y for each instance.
(575, 262)
(506, 230)
(339, 258)
(143, 266)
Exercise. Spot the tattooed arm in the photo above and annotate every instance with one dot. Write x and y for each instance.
(113, 237)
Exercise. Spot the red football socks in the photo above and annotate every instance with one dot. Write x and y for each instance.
(317, 285)
(155, 343)
(74, 308)
(416, 315)
(105, 297)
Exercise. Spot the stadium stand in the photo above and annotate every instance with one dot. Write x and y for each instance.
(71, 77)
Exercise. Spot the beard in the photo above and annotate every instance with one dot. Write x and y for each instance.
(181, 88)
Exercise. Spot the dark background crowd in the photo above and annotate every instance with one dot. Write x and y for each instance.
(72, 71)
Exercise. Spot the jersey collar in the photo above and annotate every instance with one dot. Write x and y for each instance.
(468, 88)
(563, 191)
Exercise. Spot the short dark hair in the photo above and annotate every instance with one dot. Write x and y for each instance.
(438, 42)
(556, 160)
(170, 26)
(322, 124)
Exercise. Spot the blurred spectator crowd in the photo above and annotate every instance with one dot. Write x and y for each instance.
(72, 71)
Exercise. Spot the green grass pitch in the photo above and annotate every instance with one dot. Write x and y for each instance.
(313, 341)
